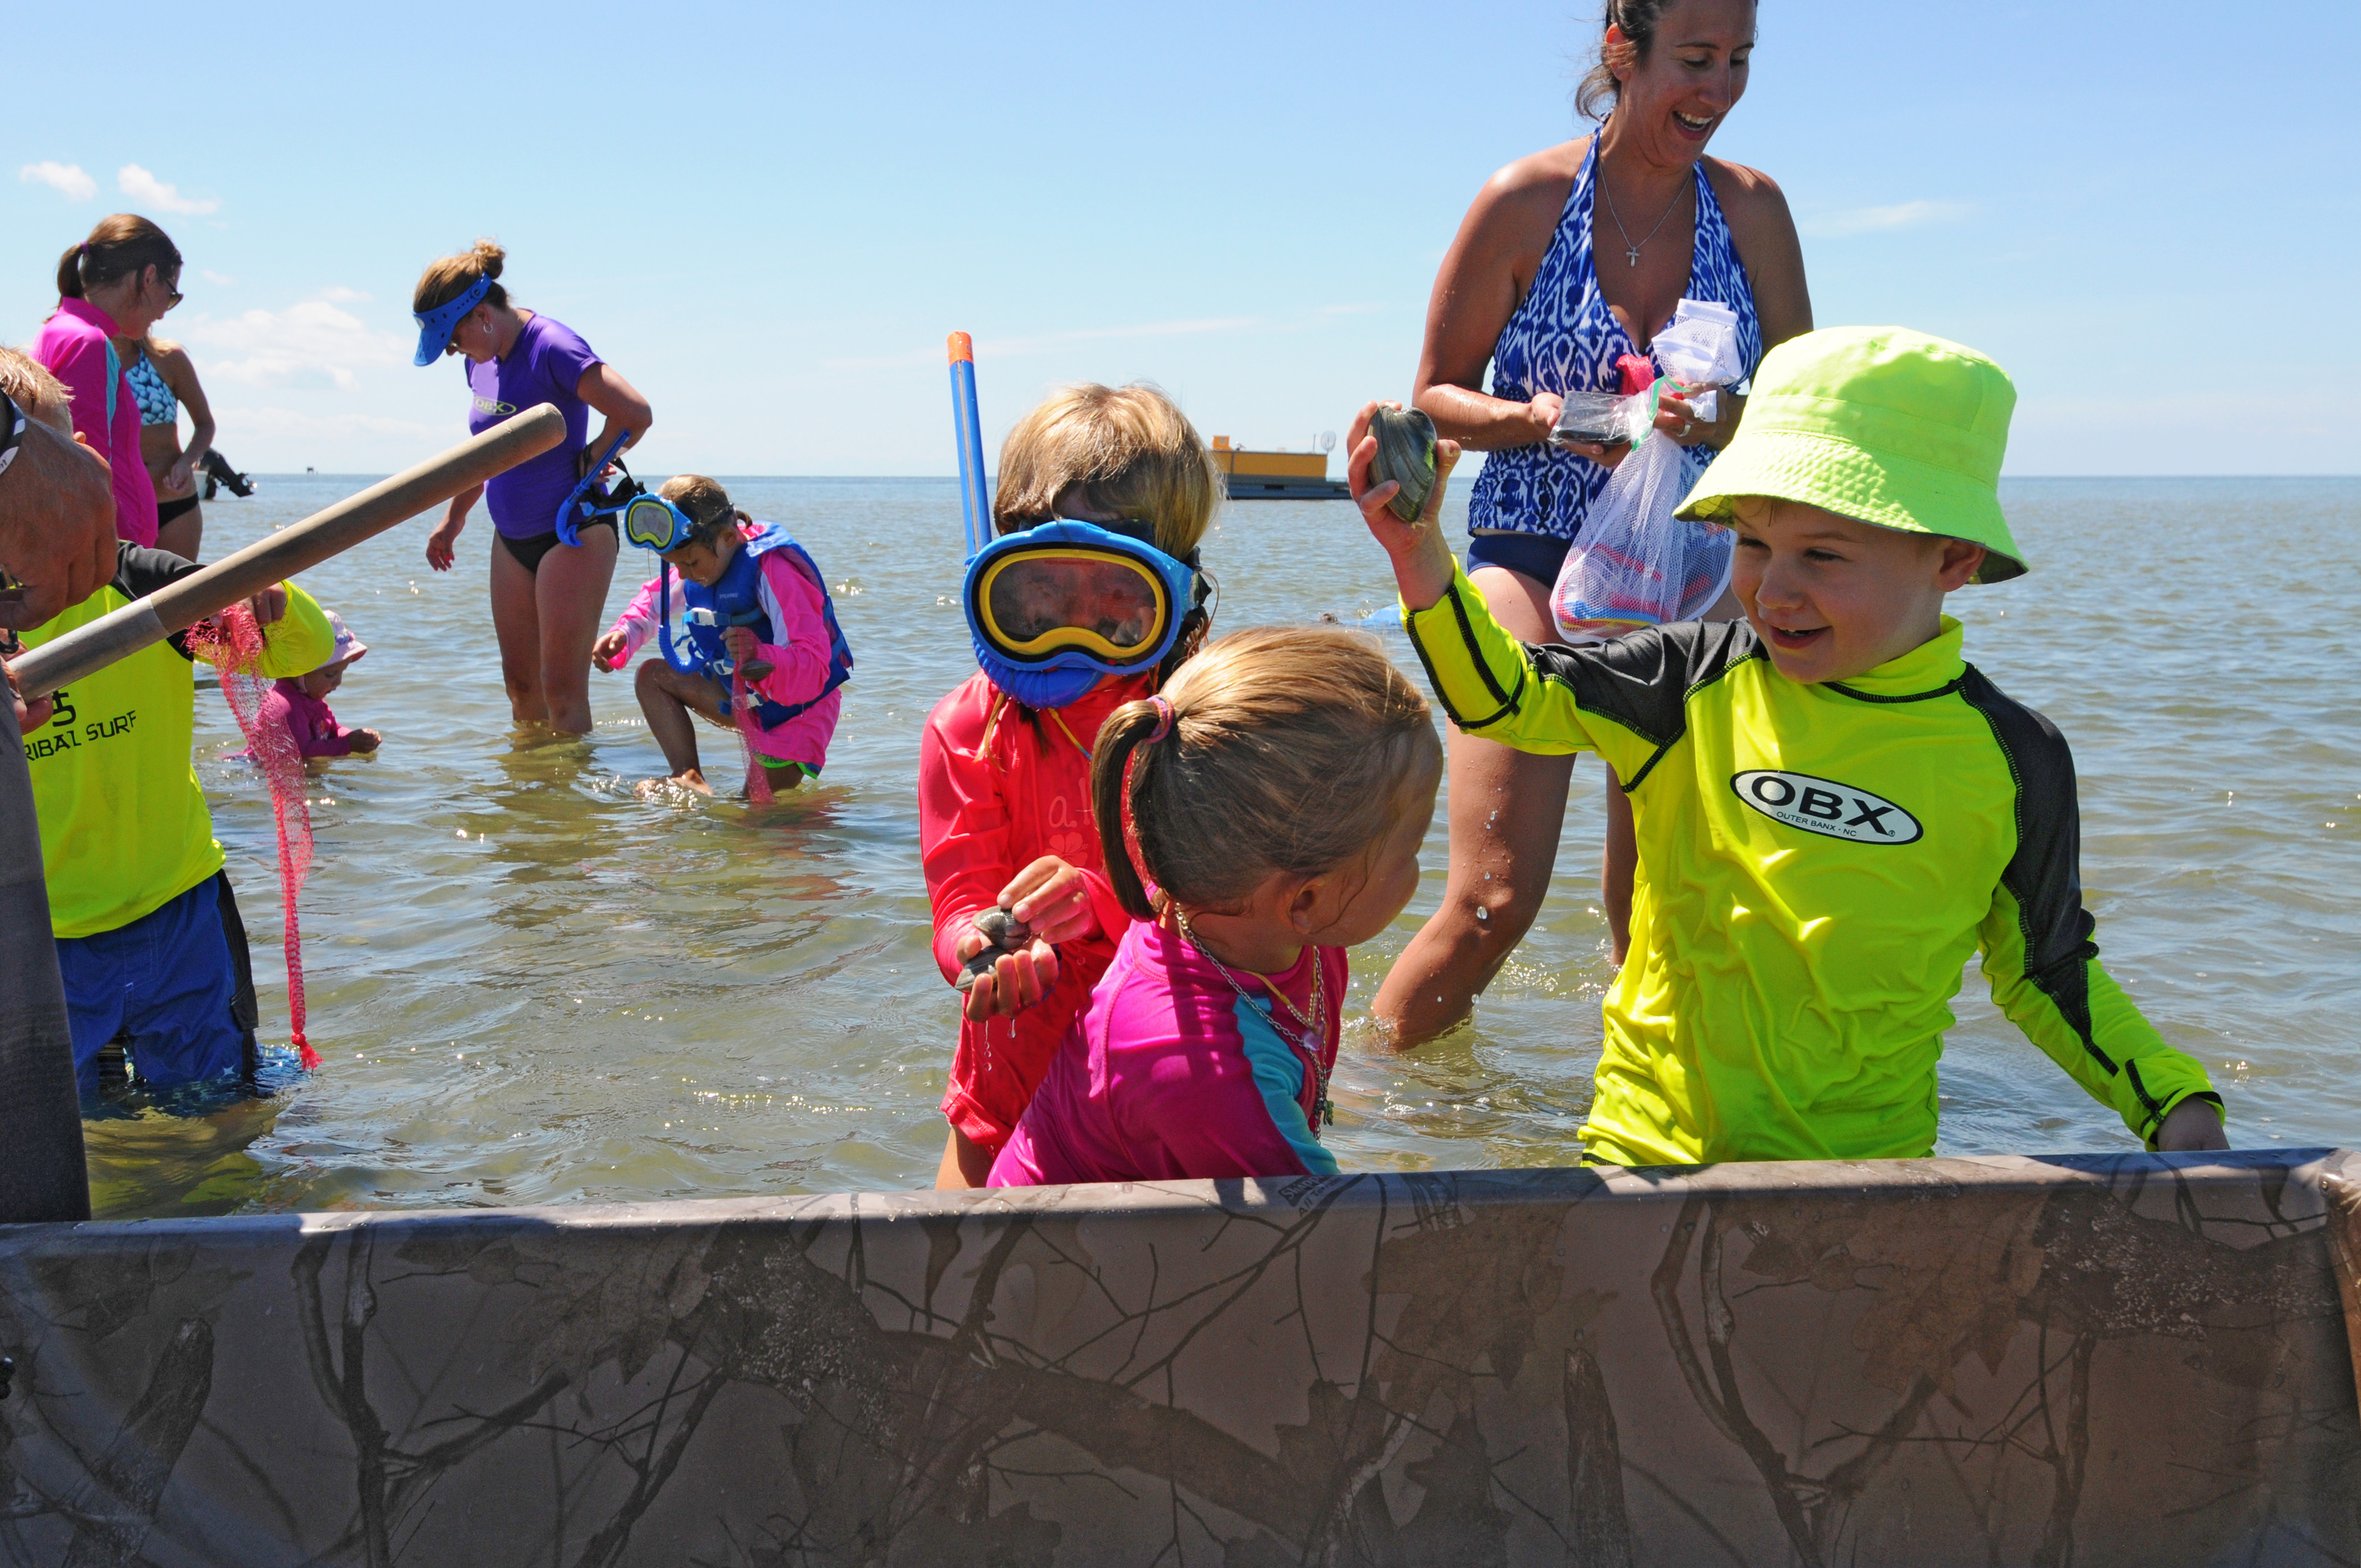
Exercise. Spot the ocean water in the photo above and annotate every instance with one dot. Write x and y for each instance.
(531, 986)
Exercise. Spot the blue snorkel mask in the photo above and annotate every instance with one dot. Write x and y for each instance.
(435, 327)
(1057, 607)
(590, 500)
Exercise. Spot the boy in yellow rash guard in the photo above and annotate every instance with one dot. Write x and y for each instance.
(1834, 810)
(135, 875)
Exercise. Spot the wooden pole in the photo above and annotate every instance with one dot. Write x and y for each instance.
(42, 1174)
(180, 605)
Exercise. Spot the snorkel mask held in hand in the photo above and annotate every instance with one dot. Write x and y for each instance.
(589, 501)
(1055, 607)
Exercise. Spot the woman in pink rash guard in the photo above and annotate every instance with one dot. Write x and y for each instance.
(1277, 789)
(117, 283)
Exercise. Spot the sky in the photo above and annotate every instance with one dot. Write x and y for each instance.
(768, 217)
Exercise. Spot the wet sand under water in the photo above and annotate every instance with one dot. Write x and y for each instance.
(530, 985)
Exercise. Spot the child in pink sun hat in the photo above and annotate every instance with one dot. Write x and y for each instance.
(300, 703)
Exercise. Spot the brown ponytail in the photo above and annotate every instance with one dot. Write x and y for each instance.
(445, 281)
(119, 247)
(1288, 751)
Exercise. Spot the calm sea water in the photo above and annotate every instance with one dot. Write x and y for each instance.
(531, 986)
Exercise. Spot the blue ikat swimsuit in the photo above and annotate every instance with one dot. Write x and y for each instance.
(1563, 338)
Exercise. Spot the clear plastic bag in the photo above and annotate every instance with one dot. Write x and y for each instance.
(1635, 565)
(1603, 419)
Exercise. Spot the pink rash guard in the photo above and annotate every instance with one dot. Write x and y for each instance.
(798, 664)
(1171, 1075)
(73, 346)
(310, 721)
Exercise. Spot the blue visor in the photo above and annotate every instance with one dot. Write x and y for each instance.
(435, 327)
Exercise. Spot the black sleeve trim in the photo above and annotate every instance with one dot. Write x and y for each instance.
(1643, 681)
(1911, 697)
(139, 572)
(1468, 640)
(2148, 1101)
(2045, 874)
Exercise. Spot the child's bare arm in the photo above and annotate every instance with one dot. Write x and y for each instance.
(1420, 556)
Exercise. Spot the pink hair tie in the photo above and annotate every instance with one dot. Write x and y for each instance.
(1163, 719)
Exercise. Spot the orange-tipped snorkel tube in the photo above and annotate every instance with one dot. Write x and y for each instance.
(967, 434)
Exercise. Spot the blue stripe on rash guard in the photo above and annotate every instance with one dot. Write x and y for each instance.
(1278, 1074)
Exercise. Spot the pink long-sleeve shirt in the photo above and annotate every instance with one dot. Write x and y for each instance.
(309, 720)
(798, 661)
(73, 346)
(1171, 1073)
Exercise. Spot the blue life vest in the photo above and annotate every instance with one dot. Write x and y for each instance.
(737, 601)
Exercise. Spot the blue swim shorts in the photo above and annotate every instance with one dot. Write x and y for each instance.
(169, 980)
(1535, 556)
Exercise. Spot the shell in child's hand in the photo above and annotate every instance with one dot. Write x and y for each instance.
(1003, 929)
(1405, 456)
(978, 966)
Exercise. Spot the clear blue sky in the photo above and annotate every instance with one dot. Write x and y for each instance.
(769, 216)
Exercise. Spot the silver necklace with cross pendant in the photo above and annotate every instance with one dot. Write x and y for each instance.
(1631, 251)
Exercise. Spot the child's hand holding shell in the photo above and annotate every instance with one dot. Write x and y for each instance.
(1397, 470)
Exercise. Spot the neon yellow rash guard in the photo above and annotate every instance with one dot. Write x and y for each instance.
(124, 824)
(1816, 865)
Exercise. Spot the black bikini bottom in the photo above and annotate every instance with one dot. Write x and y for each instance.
(166, 510)
(529, 552)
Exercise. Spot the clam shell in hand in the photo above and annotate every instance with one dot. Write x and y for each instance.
(1405, 456)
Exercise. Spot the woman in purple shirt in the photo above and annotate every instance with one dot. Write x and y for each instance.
(548, 599)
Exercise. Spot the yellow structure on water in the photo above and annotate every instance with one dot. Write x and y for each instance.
(1275, 476)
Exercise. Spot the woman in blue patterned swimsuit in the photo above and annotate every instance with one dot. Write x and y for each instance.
(1525, 290)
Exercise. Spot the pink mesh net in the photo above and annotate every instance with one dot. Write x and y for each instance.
(758, 777)
(231, 643)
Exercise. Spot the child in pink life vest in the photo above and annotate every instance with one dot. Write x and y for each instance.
(299, 703)
(1278, 790)
(760, 627)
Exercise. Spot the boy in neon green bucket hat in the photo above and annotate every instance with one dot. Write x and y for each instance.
(1834, 810)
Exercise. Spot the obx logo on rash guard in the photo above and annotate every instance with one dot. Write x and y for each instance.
(1824, 807)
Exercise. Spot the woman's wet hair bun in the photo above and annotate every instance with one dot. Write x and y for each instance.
(446, 280)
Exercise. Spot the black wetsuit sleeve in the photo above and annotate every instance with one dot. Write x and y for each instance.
(139, 572)
(1643, 681)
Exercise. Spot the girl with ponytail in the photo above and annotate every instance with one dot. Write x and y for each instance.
(117, 283)
(1277, 790)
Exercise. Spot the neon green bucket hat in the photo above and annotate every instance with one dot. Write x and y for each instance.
(1879, 423)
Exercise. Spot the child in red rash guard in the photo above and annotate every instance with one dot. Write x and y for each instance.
(1004, 763)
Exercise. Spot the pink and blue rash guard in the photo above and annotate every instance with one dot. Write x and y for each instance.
(799, 660)
(74, 348)
(1169, 1074)
(543, 366)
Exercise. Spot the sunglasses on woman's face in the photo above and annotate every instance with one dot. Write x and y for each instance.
(171, 291)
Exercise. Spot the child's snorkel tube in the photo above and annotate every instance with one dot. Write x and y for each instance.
(967, 435)
(587, 501)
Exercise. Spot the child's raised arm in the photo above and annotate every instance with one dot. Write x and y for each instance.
(1422, 557)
